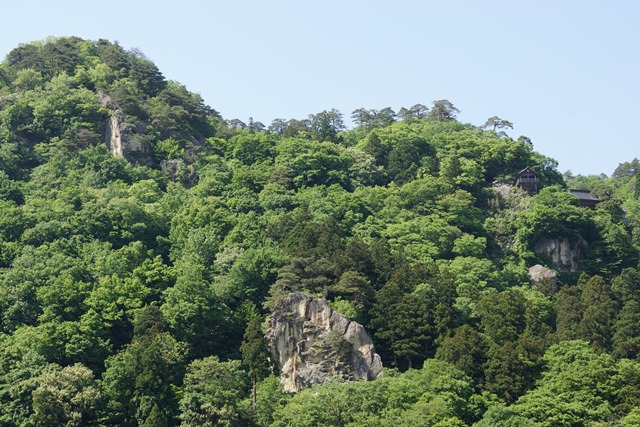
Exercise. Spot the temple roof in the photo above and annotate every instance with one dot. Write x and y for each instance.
(584, 195)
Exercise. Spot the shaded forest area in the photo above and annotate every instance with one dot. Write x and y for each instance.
(133, 287)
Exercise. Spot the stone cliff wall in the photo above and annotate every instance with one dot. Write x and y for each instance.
(126, 141)
(311, 344)
(564, 254)
(115, 129)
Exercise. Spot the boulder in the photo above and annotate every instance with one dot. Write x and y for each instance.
(539, 273)
(311, 344)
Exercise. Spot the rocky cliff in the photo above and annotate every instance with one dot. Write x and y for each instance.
(311, 344)
(564, 254)
(125, 140)
(115, 132)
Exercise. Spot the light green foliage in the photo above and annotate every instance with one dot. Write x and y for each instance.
(212, 393)
(270, 398)
(168, 149)
(507, 205)
(345, 307)
(28, 79)
(306, 163)
(21, 368)
(137, 266)
(363, 170)
(66, 397)
(577, 386)
(539, 313)
(632, 419)
(437, 393)
(472, 276)
(251, 148)
(468, 245)
(502, 416)
(423, 237)
(197, 231)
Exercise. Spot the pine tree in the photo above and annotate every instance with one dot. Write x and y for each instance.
(156, 418)
(255, 354)
(599, 315)
(403, 316)
(626, 338)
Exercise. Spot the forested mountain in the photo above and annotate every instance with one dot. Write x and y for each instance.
(144, 239)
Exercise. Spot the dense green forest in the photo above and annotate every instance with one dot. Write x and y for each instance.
(144, 239)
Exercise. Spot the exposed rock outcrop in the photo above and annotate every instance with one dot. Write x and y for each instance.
(115, 131)
(311, 344)
(539, 274)
(123, 140)
(564, 254)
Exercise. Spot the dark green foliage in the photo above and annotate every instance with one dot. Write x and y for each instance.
(626, 338)
(467, 350)
(369, 119)
(600, 309)
(569, 312)
(627, 169)
(255, 354)
(443, 110)
(50, 58)
(156, 418)
(325, 126)
(512, 368)
(139, 378)
(502, 316)
(403, 317)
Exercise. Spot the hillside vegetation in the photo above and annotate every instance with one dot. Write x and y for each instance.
(133, 285)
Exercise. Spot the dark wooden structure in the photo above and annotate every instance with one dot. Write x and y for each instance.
(527, 180)
(586, 199)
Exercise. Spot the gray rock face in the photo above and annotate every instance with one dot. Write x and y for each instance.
(539, 273)
(564, 255)
(123, 140)
(115, 132)
(312, 344)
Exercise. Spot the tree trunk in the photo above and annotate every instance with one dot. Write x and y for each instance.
(254, 391)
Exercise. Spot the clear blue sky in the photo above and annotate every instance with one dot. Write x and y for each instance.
(564, 72)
